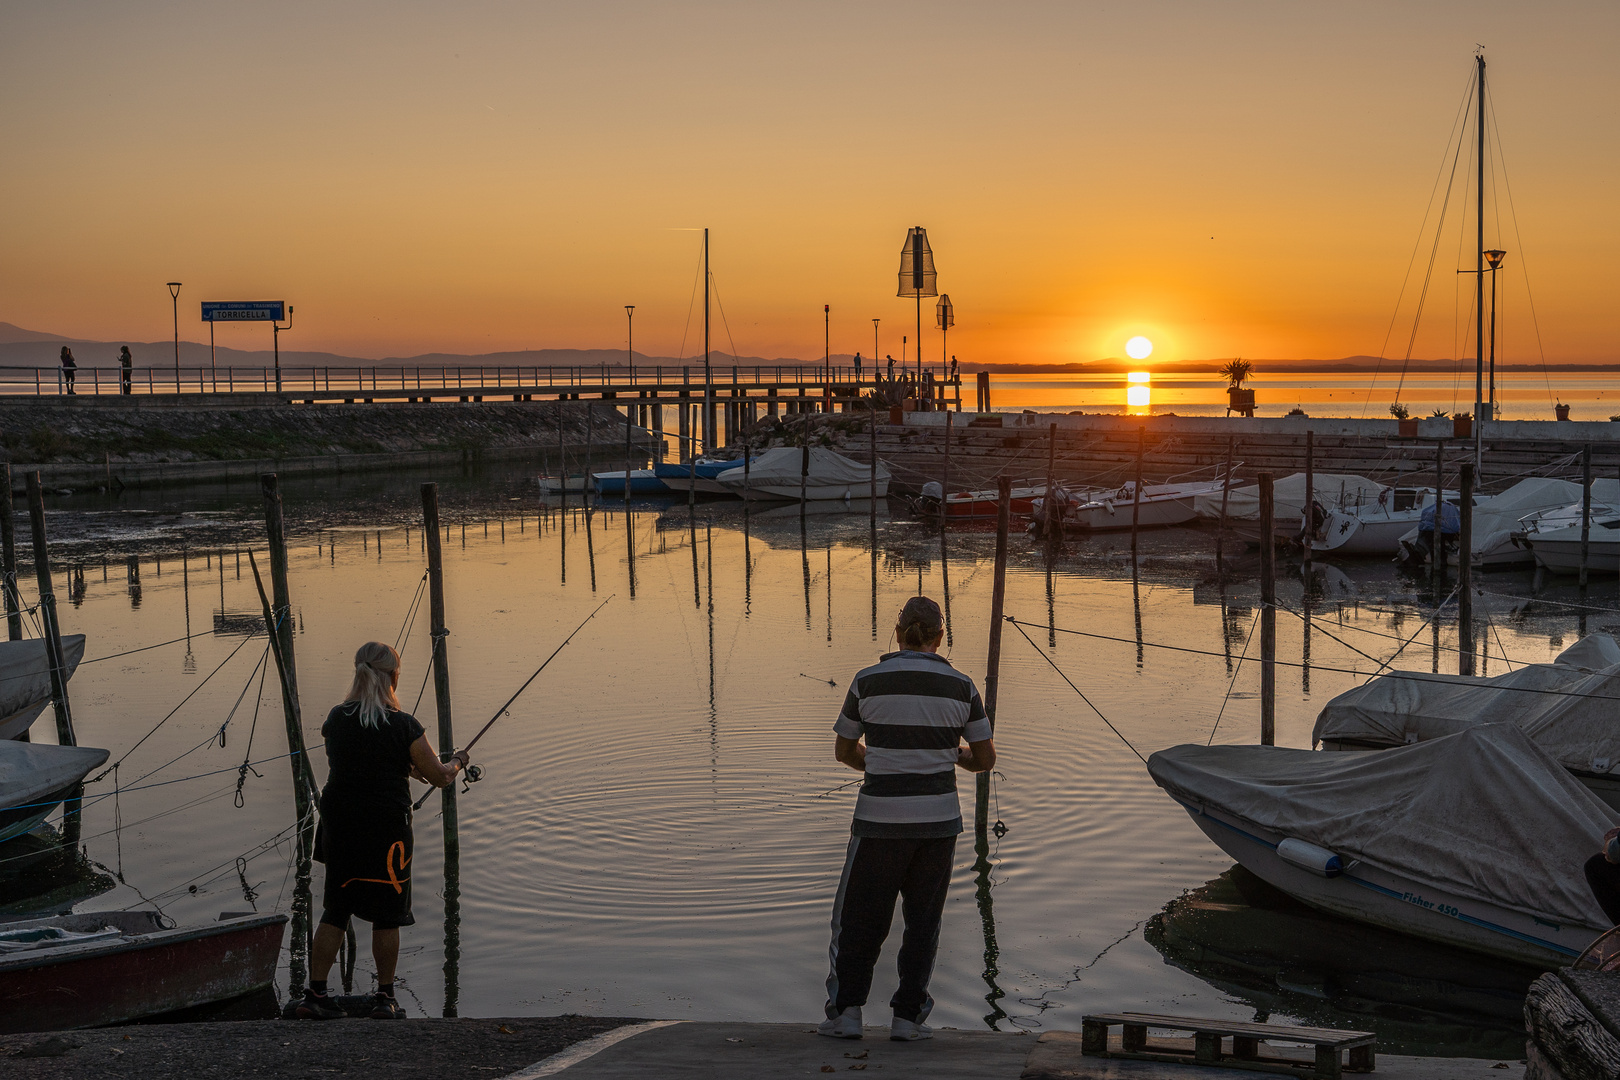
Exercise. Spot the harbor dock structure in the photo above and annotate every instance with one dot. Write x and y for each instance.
(593, 1048)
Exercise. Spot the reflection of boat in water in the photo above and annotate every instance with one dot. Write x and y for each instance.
(1279, 956)
(1474, 840)
(25, 680)
(40, 875)
(700, 476)
(642, 482)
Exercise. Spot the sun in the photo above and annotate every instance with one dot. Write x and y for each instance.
(1139, 348)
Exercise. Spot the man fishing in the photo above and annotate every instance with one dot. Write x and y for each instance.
(913, 710)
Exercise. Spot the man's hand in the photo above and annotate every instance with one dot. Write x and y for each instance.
(851, 752)
(977, 757)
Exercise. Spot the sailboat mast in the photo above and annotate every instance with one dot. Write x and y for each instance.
(708, 373)
(1479, 258)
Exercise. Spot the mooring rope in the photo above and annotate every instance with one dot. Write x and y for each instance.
(1017, 626)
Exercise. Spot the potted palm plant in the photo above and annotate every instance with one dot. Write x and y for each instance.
(1237, 372)
(1407, 426)
(1561, 411)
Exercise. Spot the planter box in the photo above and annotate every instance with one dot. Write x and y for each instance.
(1462, 427)
(1240, 400)
(1408, 429)
(1561, 411)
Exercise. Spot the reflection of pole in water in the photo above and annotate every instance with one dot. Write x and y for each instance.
(1305, 650)
(872, 544)
(452, 932)
(714, 718)
(562, 539)
(629, 546)
(189, 664)
(945, 580)
(590, 546)
(1226, 623)
(748, 563)
(1136, 602)
(829, 592)
(804, 555)
(987, 918)
(691, 525)
(1051, 601)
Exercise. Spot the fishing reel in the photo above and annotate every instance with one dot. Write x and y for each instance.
(470, 776)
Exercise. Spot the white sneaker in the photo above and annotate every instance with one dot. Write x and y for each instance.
(909, 1031)
(846, 1025)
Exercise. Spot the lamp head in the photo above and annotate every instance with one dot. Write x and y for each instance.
(1495, 257)
(174, 289)
(628, 308)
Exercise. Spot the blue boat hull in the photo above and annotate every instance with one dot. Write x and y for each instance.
(642, 482)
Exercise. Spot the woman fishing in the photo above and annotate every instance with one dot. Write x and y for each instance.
(373, 748)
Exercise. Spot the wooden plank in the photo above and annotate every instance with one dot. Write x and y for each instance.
(1238, 1027)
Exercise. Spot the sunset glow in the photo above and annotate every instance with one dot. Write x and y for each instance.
(1139, 348)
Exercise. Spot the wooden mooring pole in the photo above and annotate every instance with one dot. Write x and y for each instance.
(1465, 557)
(447, 742)
(872, 433)
(992, 664)
(1136, 493)
(1437, 559)
(47, 616)
(1226, 494)
(945, 477)
(1309, 539)
(1052, 525)
(1268, 614)
(8, 560)
(278, 624)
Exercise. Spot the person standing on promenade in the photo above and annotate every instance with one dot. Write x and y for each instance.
(364, 837)
(913, 710)
(70, 368)
(857, 367)
(891, 369)
(126, 374)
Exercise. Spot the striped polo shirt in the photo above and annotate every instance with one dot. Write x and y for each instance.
(914, 709)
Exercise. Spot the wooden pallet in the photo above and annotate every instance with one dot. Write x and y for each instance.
(1244, 1050)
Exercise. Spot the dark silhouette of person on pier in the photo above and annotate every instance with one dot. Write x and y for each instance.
(857, 367)
(913, 710)
(373, 748)
(70, 368)
(891, 368)
(126, 374)
(954, 376)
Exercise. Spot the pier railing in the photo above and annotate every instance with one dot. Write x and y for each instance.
(104, 380)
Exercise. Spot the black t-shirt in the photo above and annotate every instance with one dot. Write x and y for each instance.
(369, 762)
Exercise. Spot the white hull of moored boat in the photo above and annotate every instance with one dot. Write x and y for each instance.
(1370, 895)
(1560, 551)
(1150, 513)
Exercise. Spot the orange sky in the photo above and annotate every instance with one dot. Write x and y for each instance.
(1228, 179)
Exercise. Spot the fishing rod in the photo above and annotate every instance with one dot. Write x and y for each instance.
(473, 772)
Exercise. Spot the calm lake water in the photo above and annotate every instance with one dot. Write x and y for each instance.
(1521, 395)
(661, 825)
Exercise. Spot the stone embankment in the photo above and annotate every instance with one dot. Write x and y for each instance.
(146, 445)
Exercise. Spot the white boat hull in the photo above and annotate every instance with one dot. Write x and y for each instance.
(1150, 513)
(1560, 552)
(813, 491)
(1370, 895)
(1351, 535)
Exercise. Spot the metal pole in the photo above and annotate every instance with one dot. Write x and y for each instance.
(992, 664)
(1479, 248)
(47, 613)
(1586, 508)
(708, 372)
(804, 469)
(441, 665)
(1310, 497)
(1136, 493)
(1465, 553)
(1268, 614)
(174, 295)
(213, 367)
(8, 557)
(1226, 493)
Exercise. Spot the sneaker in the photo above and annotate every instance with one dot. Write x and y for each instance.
(318, 1007)
(384, 1007)
(909, 1031)
(846, 1025)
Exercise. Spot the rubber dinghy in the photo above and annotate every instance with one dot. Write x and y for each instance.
(1476, 840)
(1570, 708)
(775, 474)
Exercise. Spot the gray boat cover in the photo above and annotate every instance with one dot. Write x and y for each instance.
(780, 468)
(1483, 813)
(1497, 517)
(1570, 707)
(1335, 491)
(25, 675)
(30, 771)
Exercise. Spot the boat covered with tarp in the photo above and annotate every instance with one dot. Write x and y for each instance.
(1497, 518)
(1333, 491)
(1475, 840)
(36, 777)
(779, 473)
(25, 680)
(1570, 708)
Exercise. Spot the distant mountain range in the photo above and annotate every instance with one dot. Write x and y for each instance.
(34, 348)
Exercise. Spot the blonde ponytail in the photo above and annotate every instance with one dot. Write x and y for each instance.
(376, 667)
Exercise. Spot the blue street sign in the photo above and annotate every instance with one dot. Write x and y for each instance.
(244, 311)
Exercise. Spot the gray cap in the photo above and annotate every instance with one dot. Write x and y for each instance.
(924, 614)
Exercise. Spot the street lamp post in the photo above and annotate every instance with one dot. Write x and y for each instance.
(174, 295)
(630, 361)
(1494, 258)
(275, 336)
(826, 341)
(875, 347)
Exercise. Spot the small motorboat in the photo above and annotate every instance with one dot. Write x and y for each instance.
(1332, 490)
(1161, 506)
(1498, 517)
(1553, 539)
(109, 967)
(554, 485)
(1376, 527)
(776, 474)
(642, 482)
(1567, 708)
(984, 503)
(1474, 840)
(700, 476)
(25, 680)
(36, 777)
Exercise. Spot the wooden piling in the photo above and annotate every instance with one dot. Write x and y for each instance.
(278, 623)
(629, 415)
(1226, 494)
(8, 559)
(1310, 497)
(872, 432)
(1051, 481)
(1268, 614)
(1586, 509)
(945, 477)
(1136, 492)
(1465, 555)
(992, 664)
(441, 691)
(47, 614)
(1437, 559)
(804, 469)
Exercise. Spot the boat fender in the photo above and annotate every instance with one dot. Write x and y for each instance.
(1318, 860)
(1600, 764)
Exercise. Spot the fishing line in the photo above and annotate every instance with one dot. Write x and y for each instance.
(404, 636)
(1233, 681)
(1017, 626)
(817, 678)
(241, 774)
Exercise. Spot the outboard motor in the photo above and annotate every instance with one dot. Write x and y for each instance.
(932, 500)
